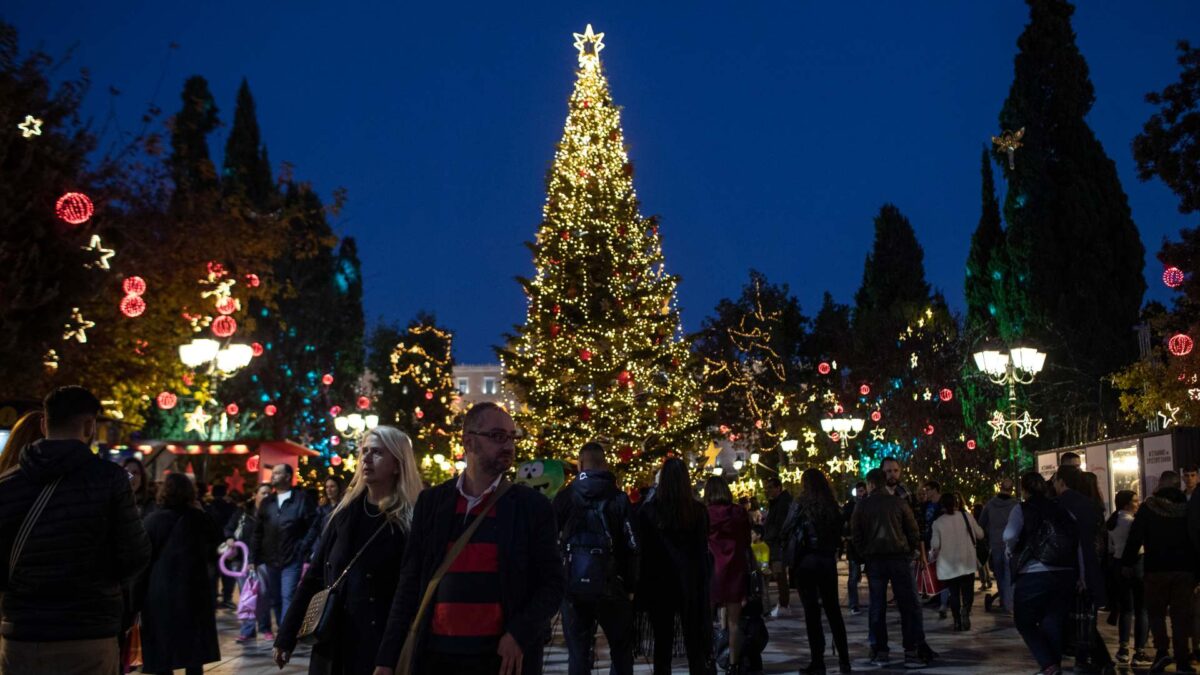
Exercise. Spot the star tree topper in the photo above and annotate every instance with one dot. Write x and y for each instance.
(586, 39)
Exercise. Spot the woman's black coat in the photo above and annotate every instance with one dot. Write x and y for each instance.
(365, 595)
(179, 625)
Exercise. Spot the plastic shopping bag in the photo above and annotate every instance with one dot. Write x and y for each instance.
(248, 602)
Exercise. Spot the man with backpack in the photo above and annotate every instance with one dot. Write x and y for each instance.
(600, 553)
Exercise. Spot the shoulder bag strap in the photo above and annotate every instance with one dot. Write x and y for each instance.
(360, 552)
(970, 530)
(31, 519)
(406, 654)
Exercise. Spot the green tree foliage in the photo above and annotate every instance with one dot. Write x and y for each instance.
(1169, 146)
(380, 343)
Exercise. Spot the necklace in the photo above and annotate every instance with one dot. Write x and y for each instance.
(367, 510)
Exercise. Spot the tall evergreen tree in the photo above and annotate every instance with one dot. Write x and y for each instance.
(1069, 227)
(423, 370)
(246, 171)
(192, 169)
(831, 338)
(1169, 145)
(894, 292)
(381, 341)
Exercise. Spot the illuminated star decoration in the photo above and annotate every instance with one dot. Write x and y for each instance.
(1168, 418)
(1009, 141)
(98, 247)
(812, 450)
(928, 395)
(835, 465)
(1027, 425)
(1194, 394)
(810, 436)
(349, 463)
(31, 127)
(582, 40)
(77, 327)
(236, 482)
(912, 361)
(710, 455)
(50, 360)
(999, 425)
(197, 420)
(878, 434)
(850, 465)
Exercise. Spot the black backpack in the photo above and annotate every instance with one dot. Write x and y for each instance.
(587, 548)
(1052, 538)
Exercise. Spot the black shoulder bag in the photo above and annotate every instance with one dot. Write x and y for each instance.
(318, 618)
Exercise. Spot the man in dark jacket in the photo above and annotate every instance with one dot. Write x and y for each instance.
(70, 541)
(1161, 527)
(884, 531)
(993, 520)
(1088, 513)
(576, 508)
(221, 509)
(854, 561)
(778, 505)
(491, 612)
(276, 548)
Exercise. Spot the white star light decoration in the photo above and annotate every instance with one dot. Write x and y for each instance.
(1194, 394)
(582, 40)
(1018, 427)
(878, 434)
(77, 327)
(197, 420)
(1168, 418)
(810, 436)
(95, 245)
(838, 465)
(31, 127)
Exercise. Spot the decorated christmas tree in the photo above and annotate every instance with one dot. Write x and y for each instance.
(600, 354)
(423, 373)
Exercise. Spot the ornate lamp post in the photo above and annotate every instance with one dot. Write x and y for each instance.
(1020, 365)
(842, 428)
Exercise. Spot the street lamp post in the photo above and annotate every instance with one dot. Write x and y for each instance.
(1020, 365)
(842, 428)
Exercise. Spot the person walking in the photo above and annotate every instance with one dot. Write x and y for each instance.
(491, 611)
(952, 548)
(993, 520)
(26, 431)
(1043, 543)
(276, 544)
(333, 496)
(1080, 497)
(220, 510)
(361, 551)
(600, 551)
(672, 529)
(1128, 610)
(931, 509)
(813, 531)
(779, 502)
(72, 539)
(1160, 526)
(144, 492)
(729, 545)
(854, 563)
(179, 624)
(241, 528)
(885, 533)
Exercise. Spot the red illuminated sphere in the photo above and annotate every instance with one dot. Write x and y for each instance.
(864, 390)
(74, 208)
(256, 348)
(876, 416)
(363, 403)
(166, 400)
(428, 395)
(336, 460)
(623, 377)
(335, 411)
(270, 410)
(227, 305)
(224, 326)
(823, 368)
(133, 285)
(132, 306)
(231, 409)
(252, 280)
(929, 430)
(971, 444)
(1173, 277)
(420, 414)
(335, 440)
(1180, 344)
(946, 394)
(585, 354)
(252, 464)
(327, 379)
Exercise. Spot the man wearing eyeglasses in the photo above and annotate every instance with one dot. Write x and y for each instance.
(491, 611)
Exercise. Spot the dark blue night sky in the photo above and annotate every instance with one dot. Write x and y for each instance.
(765, 135)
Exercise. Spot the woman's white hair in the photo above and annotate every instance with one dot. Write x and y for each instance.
(398, 504)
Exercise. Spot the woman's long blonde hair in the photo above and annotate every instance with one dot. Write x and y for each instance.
(397, 506)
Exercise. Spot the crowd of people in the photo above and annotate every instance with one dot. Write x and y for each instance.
(386, 575)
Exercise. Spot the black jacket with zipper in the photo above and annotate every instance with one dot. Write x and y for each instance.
(87, 544)
(279, 532)
(1161, 527)
(883, 526)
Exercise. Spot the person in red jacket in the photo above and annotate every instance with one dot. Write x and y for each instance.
(729, 543)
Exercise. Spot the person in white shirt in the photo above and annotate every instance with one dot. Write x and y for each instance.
(952, 547)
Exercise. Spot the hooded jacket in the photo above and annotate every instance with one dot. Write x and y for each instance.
(883, 526)
(87, 543)
(1161, 527)
(597, 486)
(994, 519)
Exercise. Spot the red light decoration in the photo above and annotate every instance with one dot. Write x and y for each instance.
(420, 414)
(336, 460)
(585, 354)
(252, 280)
(1180, 344)
(133, 285)
(252, 463)
(971, 444)
(624, 377)
(335, 411)
(724, 429)
(428, 395)
(74, 208)
(166, 400)
(823, 368)
(363, 403)
(1173, 277)
(327, 379)
(946, 394)
(270, 410)
(758, 424)
(876, 416)
(838, 409)
(231, 409)
(132, 306)
(224, 326)
(929, 429)
(256, 348)
(227, 305)
(216, 269)
(187, 379)
(864, 390)
(335, 440)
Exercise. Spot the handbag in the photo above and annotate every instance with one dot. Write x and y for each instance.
(404, 665)
(927, 579)
(318, 616)
(982, 553)
(31, 518)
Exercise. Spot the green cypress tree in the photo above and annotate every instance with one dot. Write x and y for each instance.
(1074, 253)
(191, 167)
(893, 292)
(246, 171)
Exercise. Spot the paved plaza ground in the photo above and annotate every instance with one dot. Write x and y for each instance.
(992, 646)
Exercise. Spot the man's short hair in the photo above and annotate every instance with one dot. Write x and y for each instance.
(1068, 457)
(773, 481)
(65, 404)
(592, 453)
(933, 485)
(1006, 483)
(1190, 468)
(287, 467)
(889, 458)
(861, 484)
(472, 420)
(1072, 477)
(1168, 479)
(877, 478)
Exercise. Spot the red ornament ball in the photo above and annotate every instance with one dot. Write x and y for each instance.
(256, 348)
(166, 400)
(624, 377)
(363, 403)
(420, 414)
(1173, 277)
(946, 394)
(428, 395)
(270, 410)
(132, 306)
(585, 354)
(929, 430)
(335, 411)
(625, 454)
(74, 208)
(758, 424)
(327, 379)
(876, 416)
(336, 460)
(252, 464)
(566, 234)
(133, 285)
(1180, 344)
(554, 330)
(823, 368)
(252, 280)
(971, 444)
(227, 305)
(864, 390)
(231, 409)
(838, 409)
(224, 326)
(585, 414)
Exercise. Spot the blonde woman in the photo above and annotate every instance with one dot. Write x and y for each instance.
(374, 517)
